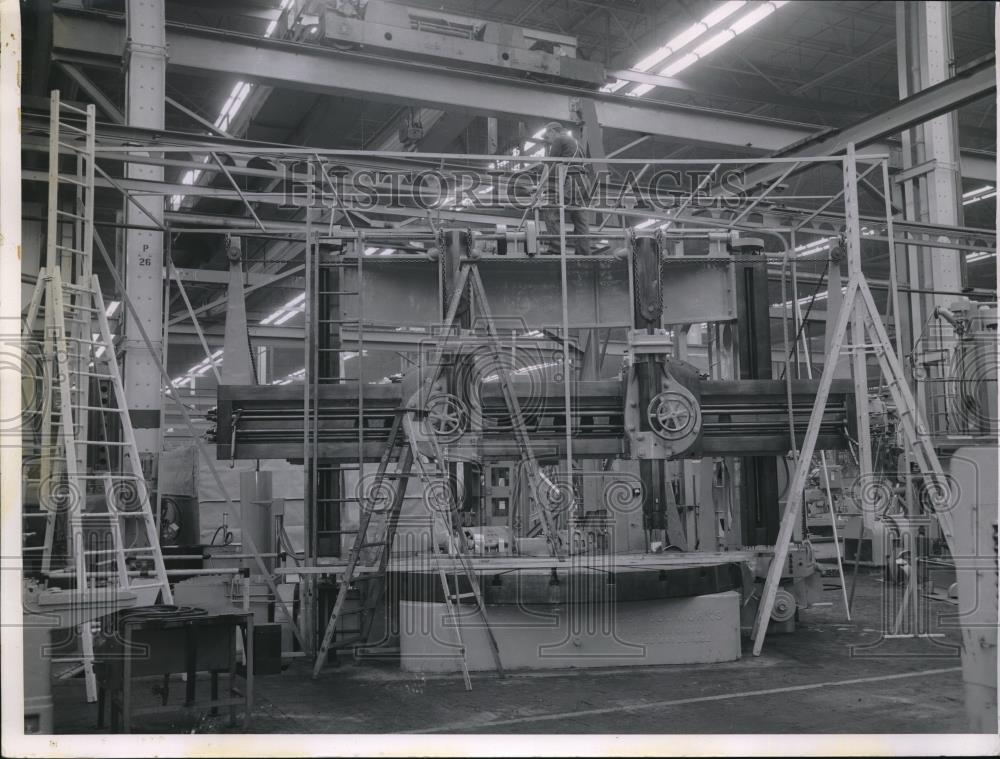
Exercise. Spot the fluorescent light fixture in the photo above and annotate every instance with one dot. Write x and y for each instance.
(804, 301)
(721, 13)
(647, 223)
(293, 307)
(679, 65)
(109, 311)
(689, 35)
(980, 255)
(816, 246)
(696, 32)
(288, 315)
(753, 17)
(977, 191)
(713, 43)
(977, 198)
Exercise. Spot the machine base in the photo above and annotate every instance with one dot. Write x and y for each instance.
(696, 629)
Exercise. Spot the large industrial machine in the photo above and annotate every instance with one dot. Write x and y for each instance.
(665, 455)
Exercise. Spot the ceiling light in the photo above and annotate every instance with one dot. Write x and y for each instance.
(713, 43)
(977, 191)
(708, 46)
(980, 255)
(755, 16)
(679, 65)
(977, 198)
(689, 35)
(293, 306)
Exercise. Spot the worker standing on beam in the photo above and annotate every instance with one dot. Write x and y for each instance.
(560, 143)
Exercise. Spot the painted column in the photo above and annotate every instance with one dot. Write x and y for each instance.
(926, 58)
(145, 62)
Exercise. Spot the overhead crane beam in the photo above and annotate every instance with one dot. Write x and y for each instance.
(319, 69)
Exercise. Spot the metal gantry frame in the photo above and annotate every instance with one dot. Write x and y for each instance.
(754, 215)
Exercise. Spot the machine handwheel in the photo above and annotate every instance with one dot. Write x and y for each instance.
(446, 416)
(671, 415)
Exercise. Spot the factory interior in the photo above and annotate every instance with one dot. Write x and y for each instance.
(519, 368)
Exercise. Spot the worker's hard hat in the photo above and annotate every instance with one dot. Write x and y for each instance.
(554, 126)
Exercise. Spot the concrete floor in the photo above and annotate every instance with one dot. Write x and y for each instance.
(808, 682)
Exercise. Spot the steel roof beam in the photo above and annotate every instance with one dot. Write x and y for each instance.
(974, 82)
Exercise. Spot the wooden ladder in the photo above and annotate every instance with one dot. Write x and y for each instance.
(401, 449)
(79, 351)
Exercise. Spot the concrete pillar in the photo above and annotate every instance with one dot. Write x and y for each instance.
(145, 62)
(925, 58)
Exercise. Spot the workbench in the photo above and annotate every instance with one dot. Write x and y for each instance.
(165, 641)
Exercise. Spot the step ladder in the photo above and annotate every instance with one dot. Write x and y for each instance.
(400, 450)
(858, 309)
(77, 348)
(435, 478)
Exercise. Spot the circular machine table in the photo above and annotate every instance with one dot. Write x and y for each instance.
(528, 580)
(587, 611)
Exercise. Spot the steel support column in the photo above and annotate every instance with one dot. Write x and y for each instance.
(146, 64)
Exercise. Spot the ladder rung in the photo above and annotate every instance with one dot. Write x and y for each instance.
(77, 288)
(70, 249)
(71, 215)
(66, 125)
(146, 586)
(71, 146)
(78, 306)
(73, 108)
(101, 442)
(71, 180)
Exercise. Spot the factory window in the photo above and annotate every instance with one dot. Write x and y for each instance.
(499, 507)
